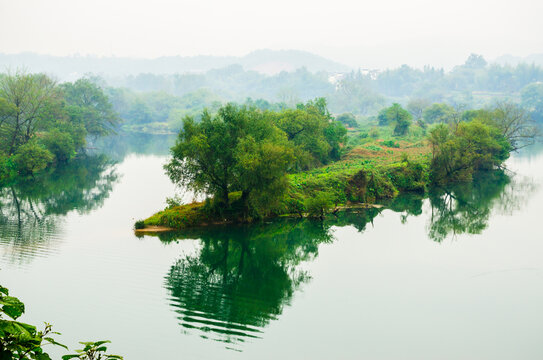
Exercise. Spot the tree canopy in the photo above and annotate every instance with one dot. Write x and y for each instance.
(248, 150)
(396, 116)
(43, 123)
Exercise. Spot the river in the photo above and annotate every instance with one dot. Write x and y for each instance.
(455, 275)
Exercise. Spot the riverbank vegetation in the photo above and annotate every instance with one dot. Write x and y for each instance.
(43, 123)
(255, 164)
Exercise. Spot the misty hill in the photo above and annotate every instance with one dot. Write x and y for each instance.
(508, 59)
(263, 61)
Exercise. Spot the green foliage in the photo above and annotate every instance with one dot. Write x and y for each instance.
(309, 127)
(374, 132)
(89, 106)
(417, 106)
(514, 123)
(438, 113)
(319, 205)
(248, 150)
(41, 121)
(31, 158)
(92, 351)
(7, 168)
(461, 151)
(379, 186)
(348, 119)
(391, 144)
(140, 224)
(373, 147)
(60, 144)
(19, 340)
(396, 116)
(408, 176)
(27, 99)
(184, 216)
(237, 150)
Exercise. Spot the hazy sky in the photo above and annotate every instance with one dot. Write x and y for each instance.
(378, 33)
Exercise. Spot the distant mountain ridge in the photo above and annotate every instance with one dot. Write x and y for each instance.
(264, 61)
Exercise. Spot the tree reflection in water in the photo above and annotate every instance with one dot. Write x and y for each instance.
(31, 211)
(466, 208)
(242, 276)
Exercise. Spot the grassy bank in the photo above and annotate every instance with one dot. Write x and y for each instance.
(373, 171)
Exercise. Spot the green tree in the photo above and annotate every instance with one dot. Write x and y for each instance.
(60, 144)
(348, 119)
(515, 124)
(394, 115)
(21, 112)
(239, 149)
(88, 105)
(310, 128)
(438, 113)
(459, 152)
(417, 106)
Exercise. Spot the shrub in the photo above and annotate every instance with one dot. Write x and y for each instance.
(31, 158)
(59, 144)
(319, 205)
(173, 202)
(140, 224)
(391, 144)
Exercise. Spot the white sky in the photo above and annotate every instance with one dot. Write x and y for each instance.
(378, 33)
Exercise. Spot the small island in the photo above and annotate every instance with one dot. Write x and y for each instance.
(255, 164)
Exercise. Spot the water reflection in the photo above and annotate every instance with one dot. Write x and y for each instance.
(118, 146)
(466, 208)
(31, 212)
(242, 277)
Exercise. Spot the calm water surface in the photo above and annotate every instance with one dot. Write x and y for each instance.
(457, 275)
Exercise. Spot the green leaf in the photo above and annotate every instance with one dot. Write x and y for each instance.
(52, 341)
(43, 356)
(98, 343)
(67, 357)
(12, 306)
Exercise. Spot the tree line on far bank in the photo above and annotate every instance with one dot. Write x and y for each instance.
(44, 123)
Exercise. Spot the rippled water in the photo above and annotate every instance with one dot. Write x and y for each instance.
(456, 275)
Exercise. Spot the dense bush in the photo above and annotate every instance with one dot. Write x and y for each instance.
(31, 158)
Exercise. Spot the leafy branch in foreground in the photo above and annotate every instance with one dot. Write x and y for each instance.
(92, 351)
(19, 340)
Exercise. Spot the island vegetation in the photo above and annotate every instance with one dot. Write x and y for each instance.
(253, 164)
